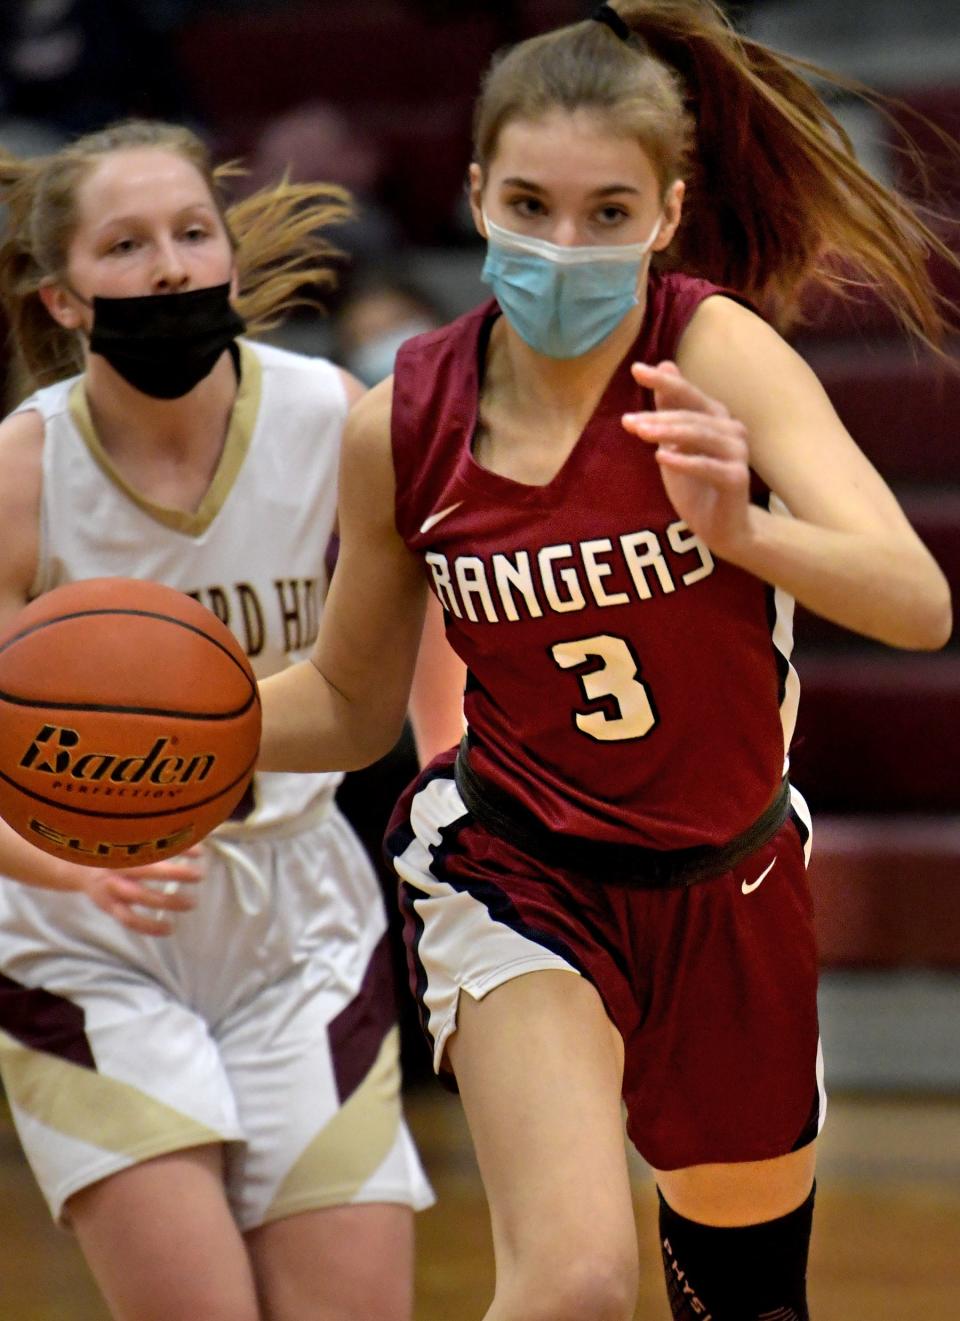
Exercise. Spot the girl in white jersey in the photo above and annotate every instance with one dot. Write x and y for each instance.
(584, 470)
(216, 1114)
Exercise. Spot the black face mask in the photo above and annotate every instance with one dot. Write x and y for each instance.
(165, 344)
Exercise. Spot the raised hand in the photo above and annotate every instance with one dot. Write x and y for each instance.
(703, 455)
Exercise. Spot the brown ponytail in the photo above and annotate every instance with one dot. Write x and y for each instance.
(776, 199)
(282, 256)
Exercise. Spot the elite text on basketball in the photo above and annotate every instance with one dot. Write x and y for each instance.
(135, 849)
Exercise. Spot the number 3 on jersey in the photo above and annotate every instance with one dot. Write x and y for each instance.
(616, 677)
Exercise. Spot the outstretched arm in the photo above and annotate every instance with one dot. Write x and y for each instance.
(345, 707)
(739, 398)
(436, 700)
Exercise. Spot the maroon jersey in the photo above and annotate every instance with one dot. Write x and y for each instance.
(623, 683)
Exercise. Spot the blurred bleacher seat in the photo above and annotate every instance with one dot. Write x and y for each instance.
(878, 730)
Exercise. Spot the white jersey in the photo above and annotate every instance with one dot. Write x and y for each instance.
(256, 551)
(265, 1020)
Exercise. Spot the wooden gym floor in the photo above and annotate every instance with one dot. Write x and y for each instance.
(886, 1241)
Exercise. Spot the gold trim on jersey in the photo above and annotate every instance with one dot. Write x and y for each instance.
(350, 1149)
(94, 1108)
(243, 419)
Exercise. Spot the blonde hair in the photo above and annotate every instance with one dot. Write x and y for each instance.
(776, 199)
(281, 255)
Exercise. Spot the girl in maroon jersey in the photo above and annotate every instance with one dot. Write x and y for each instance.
(616, 477)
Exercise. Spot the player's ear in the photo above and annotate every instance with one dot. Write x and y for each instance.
(475, 197)
(672, 211)
(62, 305)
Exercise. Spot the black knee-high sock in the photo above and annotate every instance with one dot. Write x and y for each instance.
(753, 1273)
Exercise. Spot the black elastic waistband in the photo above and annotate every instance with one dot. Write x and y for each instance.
(602, 860)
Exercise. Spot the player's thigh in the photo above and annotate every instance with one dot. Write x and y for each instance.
(744, 1193)
(539, 1068)
(344, 1263)
(162, 1243)
(107, 1069)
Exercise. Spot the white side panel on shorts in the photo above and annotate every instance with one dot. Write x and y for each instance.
(461, 946)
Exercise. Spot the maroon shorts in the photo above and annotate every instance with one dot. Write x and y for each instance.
(712, 986)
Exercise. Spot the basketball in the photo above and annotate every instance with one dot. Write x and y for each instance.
(129, 722)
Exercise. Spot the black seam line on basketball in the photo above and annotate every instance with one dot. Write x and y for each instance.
(103, 708)
(128, 816)
(124, 610)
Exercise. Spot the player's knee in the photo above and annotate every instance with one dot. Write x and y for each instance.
(588, 1286)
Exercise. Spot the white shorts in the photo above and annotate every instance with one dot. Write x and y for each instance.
(265, 1021)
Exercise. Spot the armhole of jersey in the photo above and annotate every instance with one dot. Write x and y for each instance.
(330, 399)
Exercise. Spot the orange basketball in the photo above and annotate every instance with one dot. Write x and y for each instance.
(129, 722)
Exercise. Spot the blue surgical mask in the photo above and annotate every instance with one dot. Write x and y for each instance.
(560, 300)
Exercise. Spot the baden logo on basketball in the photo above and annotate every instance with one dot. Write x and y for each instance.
(129, 722)
(54, 751)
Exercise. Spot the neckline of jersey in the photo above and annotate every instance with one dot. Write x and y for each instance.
(243, 418)
(610, 404)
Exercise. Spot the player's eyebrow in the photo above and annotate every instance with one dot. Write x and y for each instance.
(137, 218)
(515, 181)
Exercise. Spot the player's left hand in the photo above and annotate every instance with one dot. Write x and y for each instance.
(703, 455)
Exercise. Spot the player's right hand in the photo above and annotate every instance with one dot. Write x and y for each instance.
(124, 895)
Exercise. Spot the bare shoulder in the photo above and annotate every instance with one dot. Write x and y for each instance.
(734, 355)
(21, 459)
(719, 316)
(366, 467)
(367, 432)
(795, 434)
(21, 479)
(21, 431)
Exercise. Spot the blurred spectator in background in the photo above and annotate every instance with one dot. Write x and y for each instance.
(318, 141)
(70, 66)
(381, 311)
